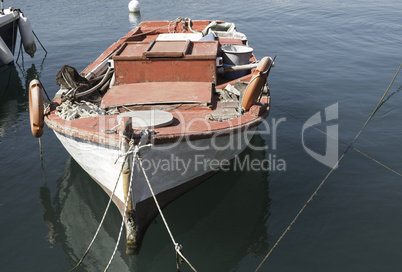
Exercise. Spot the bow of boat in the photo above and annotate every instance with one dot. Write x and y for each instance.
(194, 87)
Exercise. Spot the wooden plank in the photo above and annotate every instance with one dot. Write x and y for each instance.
(167, 49)
(157, 93)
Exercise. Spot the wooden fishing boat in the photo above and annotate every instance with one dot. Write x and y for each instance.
(11, 20)
(177, 100)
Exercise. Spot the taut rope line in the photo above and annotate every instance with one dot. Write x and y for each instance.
(125, 207)
(327, 176)
(103, 218)
(361, 152)
(176, 245)
(356, 149)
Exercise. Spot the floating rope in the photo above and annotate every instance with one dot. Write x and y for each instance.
(327, 176)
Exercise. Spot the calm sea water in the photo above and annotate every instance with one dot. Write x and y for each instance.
(329, 53)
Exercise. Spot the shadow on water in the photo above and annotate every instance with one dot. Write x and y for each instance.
(14, 98)
(225, 216)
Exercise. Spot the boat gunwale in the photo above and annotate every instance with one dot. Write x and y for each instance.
(13, 16)
(150, 28)
(53, 121)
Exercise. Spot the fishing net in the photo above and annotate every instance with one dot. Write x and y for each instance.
(68, 78)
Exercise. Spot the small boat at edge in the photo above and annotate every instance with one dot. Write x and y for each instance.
(11, 20)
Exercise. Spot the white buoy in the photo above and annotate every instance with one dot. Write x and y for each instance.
(27, 36)
(134, 6)
(6, 56)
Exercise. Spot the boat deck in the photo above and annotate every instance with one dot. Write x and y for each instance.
(179, 77)
(157, 93)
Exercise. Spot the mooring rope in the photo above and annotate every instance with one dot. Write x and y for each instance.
(126, 206)
(41, 159)
(356, 149)
(176, 245)
(103, 218)
(39, 42)
(144, 136)
(361, 152)
(327, 176)
(374, 160)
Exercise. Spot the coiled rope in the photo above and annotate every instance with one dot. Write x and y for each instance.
(330, 172)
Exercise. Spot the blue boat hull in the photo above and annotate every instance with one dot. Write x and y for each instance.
(9, 33)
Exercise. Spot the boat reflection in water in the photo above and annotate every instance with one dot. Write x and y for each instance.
(231, 222)
(134, 19)
(73, 216)
(13, 95)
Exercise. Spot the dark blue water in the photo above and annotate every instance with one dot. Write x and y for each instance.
(329, 53)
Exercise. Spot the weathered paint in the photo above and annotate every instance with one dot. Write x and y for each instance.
(165, 61)
(158, 93)
(176, 77)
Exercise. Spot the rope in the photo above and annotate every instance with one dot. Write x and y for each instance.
(327, 176)
(41, 159)
(125, 207)
(356, 149)
(188, 20)
(374, 160)
(87, 92)
(378, 105)
(168, 26)
(144, 136)
(43, 88)
(39, 42)
(177, 20)
(103, 218)
(176, 245)
(361, 152)
(73, 110)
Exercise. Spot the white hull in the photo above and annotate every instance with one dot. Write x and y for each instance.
(167, 165)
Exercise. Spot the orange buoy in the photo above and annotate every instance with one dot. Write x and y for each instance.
(254, 88)
(36, 111)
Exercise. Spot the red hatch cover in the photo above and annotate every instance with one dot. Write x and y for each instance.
(157, 93)
(167, 49)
